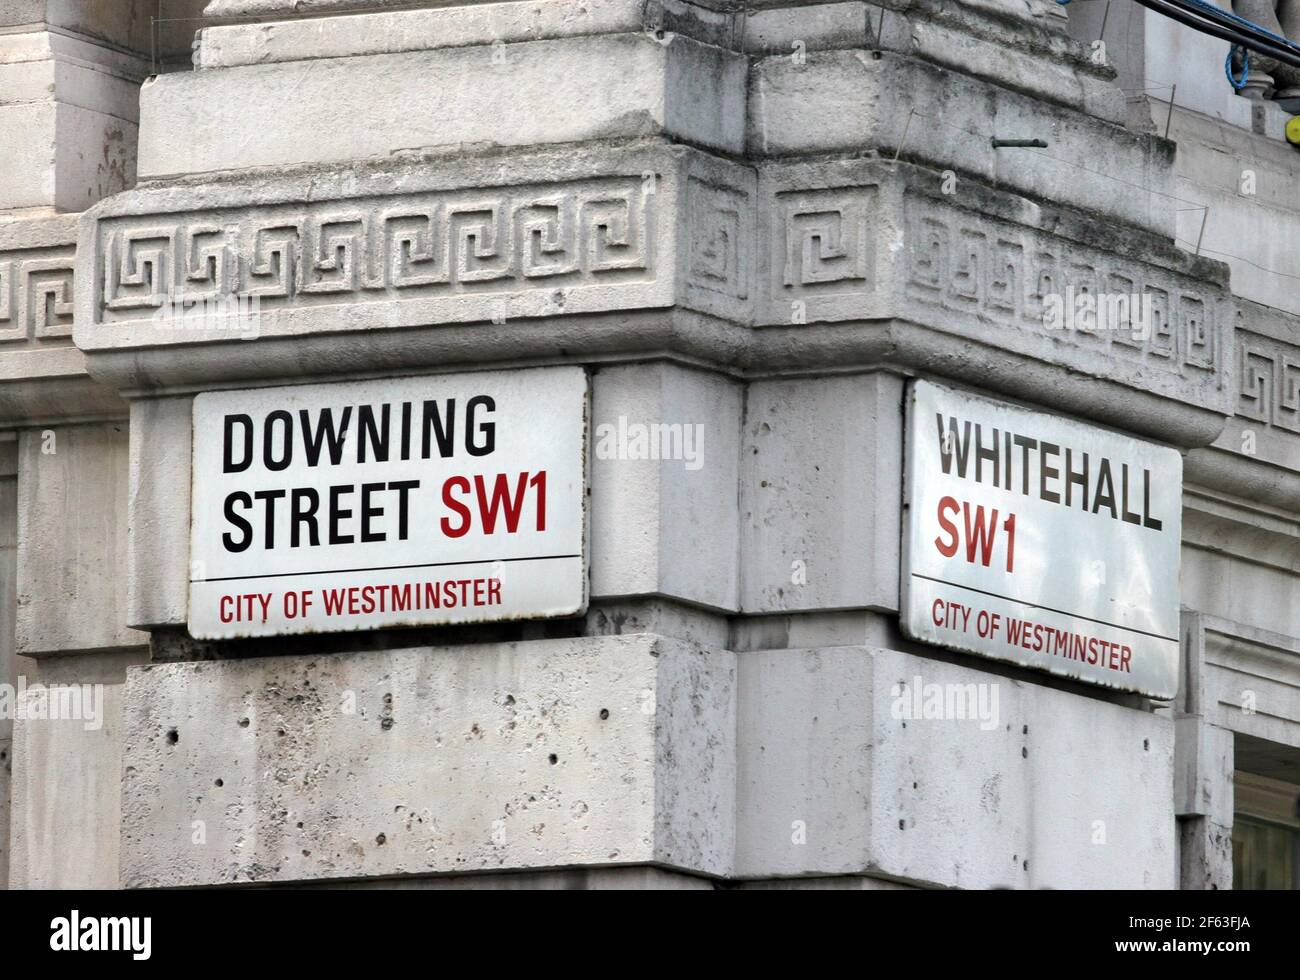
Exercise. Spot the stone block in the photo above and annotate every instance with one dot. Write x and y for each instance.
(67, 779)
(595, 752)
(123, 24)
(1203, 757)
(403, 245)
(158, 523)
(28, 163)
(390, 31)
(9, 664)
(72, 487)
(836, 101)
(665, 451)
(982, 43)
(6, 777)
(1003, 784)
(821, 480)
(1204, 855)
(70, 110)
(446, 100)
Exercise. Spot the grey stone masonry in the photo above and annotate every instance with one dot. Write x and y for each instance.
(762, 221)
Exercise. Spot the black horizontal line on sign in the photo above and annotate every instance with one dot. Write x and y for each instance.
(1059, 612)
(381, 568)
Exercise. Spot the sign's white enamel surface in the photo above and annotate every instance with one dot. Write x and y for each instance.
(413, 501)
(1042, 541)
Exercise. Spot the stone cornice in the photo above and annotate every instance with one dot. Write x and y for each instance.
(43, 376)
(1244, 678)
(1243, 527)
(805, 266)
(1258, 454)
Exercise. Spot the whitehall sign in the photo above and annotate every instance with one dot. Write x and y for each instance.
(1041, 541)
(443, 499)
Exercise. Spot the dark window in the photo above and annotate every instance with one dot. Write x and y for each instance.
(1265, 832)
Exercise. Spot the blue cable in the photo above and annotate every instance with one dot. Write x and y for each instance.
(1245, 67)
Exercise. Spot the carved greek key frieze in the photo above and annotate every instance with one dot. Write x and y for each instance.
(826, 241)
(1269, 379)
(367, 249)
(36, 295)
(719, 243)
(1011, 275)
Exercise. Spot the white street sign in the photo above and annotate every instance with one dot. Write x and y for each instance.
(447, 498)
(1041, 541)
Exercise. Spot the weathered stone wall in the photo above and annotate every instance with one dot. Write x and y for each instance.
(762, 221)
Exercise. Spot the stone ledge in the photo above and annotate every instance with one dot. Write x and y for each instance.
(488, 238)
(42, 376)
(669, 335)
(1243, 678)
(561, 91)
(1022, 45)
(51, 387)
(1216, 520)
(543, 244)
(391, 31)
(952, 36)
(1203, 754)
(1258, 454)
(1226, 469)
(115, 26)
(855, 100)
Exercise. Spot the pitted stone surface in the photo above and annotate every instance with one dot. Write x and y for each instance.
(840, 773)
(607, 751)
